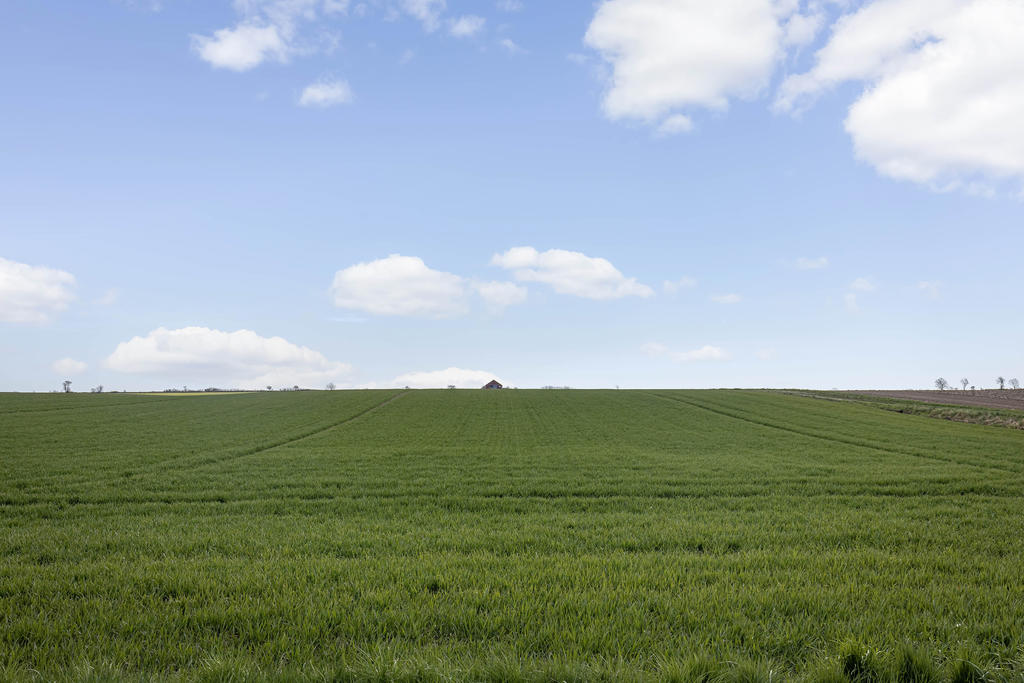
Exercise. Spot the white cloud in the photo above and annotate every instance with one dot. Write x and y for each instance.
(243, 47)
(68, 366)
(675, 124)
(673, 286)
(499, 295)
(510, 5)
(326, 94)
(765, 354)
(439, 379)
(510, 46)
(31, 294)
(671, 54)
(726, 298)
(570, 272)
(930, 288)
(812, 263)
(466, 26)
(336, 6)
(109, 298)
(863, 284)
(801, 29)
(704, 353)
(269, 30)
(400, 285)
(427, 11)
(241, 358)
(943, 100)
(287, 13)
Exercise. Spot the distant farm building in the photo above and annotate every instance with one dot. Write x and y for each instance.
(493, 384)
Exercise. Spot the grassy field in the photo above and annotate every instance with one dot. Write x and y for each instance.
(514, 535)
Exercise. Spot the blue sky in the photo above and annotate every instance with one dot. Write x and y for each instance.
(216, 193)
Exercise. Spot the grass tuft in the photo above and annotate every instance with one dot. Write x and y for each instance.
(913, 666)
(861, 664)
(964, 671)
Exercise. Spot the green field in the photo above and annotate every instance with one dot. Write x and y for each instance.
(513, 535)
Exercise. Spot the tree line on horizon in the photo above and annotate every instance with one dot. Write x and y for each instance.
(941, 384)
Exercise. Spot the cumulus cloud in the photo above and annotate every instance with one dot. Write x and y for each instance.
(243, 47)
(400, 285)
(326, 94)
(273, 30)
(942, 102)
(68, 366)
(801, 29)
(499, 295)
(109, 298)
(466, 26)
(439, 379)
(673, 286)
(863, 284)
(336, 6)
(241, 358)
(803, 263)
(675, 124)
(704, 353)
(427, 11)
(667, 55)
(511, 46)
(570, 272)
(726, 298)
(31, 294)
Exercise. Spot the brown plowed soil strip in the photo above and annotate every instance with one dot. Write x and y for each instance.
(981, 398)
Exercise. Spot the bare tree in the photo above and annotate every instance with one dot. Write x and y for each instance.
(330, 386)
(269, 388)
(964, 382)
(941, 384)
(1015, 383)
(67, 386)
(1001, 381)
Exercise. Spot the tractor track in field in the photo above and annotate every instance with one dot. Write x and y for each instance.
(835, 439)
(301, 437)
(210, 460)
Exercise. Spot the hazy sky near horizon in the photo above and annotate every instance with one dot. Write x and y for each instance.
(634, 193)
